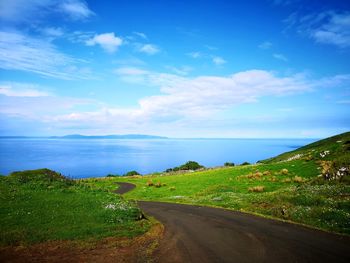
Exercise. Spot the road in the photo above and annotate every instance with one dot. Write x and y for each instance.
(202, 234)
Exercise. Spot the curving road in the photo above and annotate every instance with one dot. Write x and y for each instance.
(203, 234)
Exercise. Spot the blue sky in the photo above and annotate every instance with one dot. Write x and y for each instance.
(264, 68)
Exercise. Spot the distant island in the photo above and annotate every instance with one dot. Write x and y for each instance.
(79, 136)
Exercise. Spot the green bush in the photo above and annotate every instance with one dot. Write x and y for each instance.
(245, 163)
(132, 173)
(113, 175)
(229, 164)
(190, 165)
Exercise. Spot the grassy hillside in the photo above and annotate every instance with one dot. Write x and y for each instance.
(309, 185)
(333, 148)
(42, 205)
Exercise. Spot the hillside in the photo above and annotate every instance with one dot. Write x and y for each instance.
(327, 149)
(45, 216)
(309, 185)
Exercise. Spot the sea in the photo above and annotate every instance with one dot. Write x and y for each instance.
(82, 158)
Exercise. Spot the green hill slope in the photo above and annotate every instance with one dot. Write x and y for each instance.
(331, 148)
(42, 205)
(301, 186)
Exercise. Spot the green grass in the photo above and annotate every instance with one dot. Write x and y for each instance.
(288, 187)
(41, 205)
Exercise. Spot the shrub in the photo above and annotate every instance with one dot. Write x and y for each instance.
(337, 169)
(298, 179)
(149, 183)
(257, 189)
(229, 164)
(287, 180)
(173, 188)
(273, 179)
(190, 165)
(131, 173)
(158, 184)
(258, 174)
(245, 163)
(266, 173)
(284, 171)
(113, 175)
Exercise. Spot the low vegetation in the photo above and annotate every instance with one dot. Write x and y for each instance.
(132, 173)
(310, 185)
(190, 165)
(42, 205)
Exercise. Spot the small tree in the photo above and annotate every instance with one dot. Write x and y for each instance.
(131, 173)
(190, 165)
(229, 164)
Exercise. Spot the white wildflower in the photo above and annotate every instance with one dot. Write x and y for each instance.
(110, 206)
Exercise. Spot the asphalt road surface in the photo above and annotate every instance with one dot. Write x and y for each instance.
(124, 188)
(202, 234)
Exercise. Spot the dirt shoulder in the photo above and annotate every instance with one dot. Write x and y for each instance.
(139, 249)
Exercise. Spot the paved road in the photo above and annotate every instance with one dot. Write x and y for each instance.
(124, 188)
(202, 234)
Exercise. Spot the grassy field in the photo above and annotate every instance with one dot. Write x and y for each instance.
(41, 205)
(309, 186)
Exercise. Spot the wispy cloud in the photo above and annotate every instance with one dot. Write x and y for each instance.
(140, 34)
(75, 9)
(194, 102)
(195, 54)
(21, 52)
(218, 60)
(183, 71)
(328, 27)
(148, 49)
(14, 89)
(130, 71)
(183, 97)
(52, 31)
(265, 45)
(280, 57)
(33, 102)
(19, 11)
(108, 41)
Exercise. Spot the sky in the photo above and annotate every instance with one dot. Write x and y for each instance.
(177, 68)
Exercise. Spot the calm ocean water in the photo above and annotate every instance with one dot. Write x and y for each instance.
(80, 158)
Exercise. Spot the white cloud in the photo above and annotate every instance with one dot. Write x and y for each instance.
(328, 27)
(203, 96)
(52, 31)
(108, 41)
(32, 102)
(195, 54)
(11, 89)
(211, 47)
(183, 71)
(140, 34)
(280, 57)
(130, 71)
(19, 11)
(265, 45)
(149, 49)
(76, 9)
(185, 104)
(218, 60)
(334, 30)
(21, 52)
